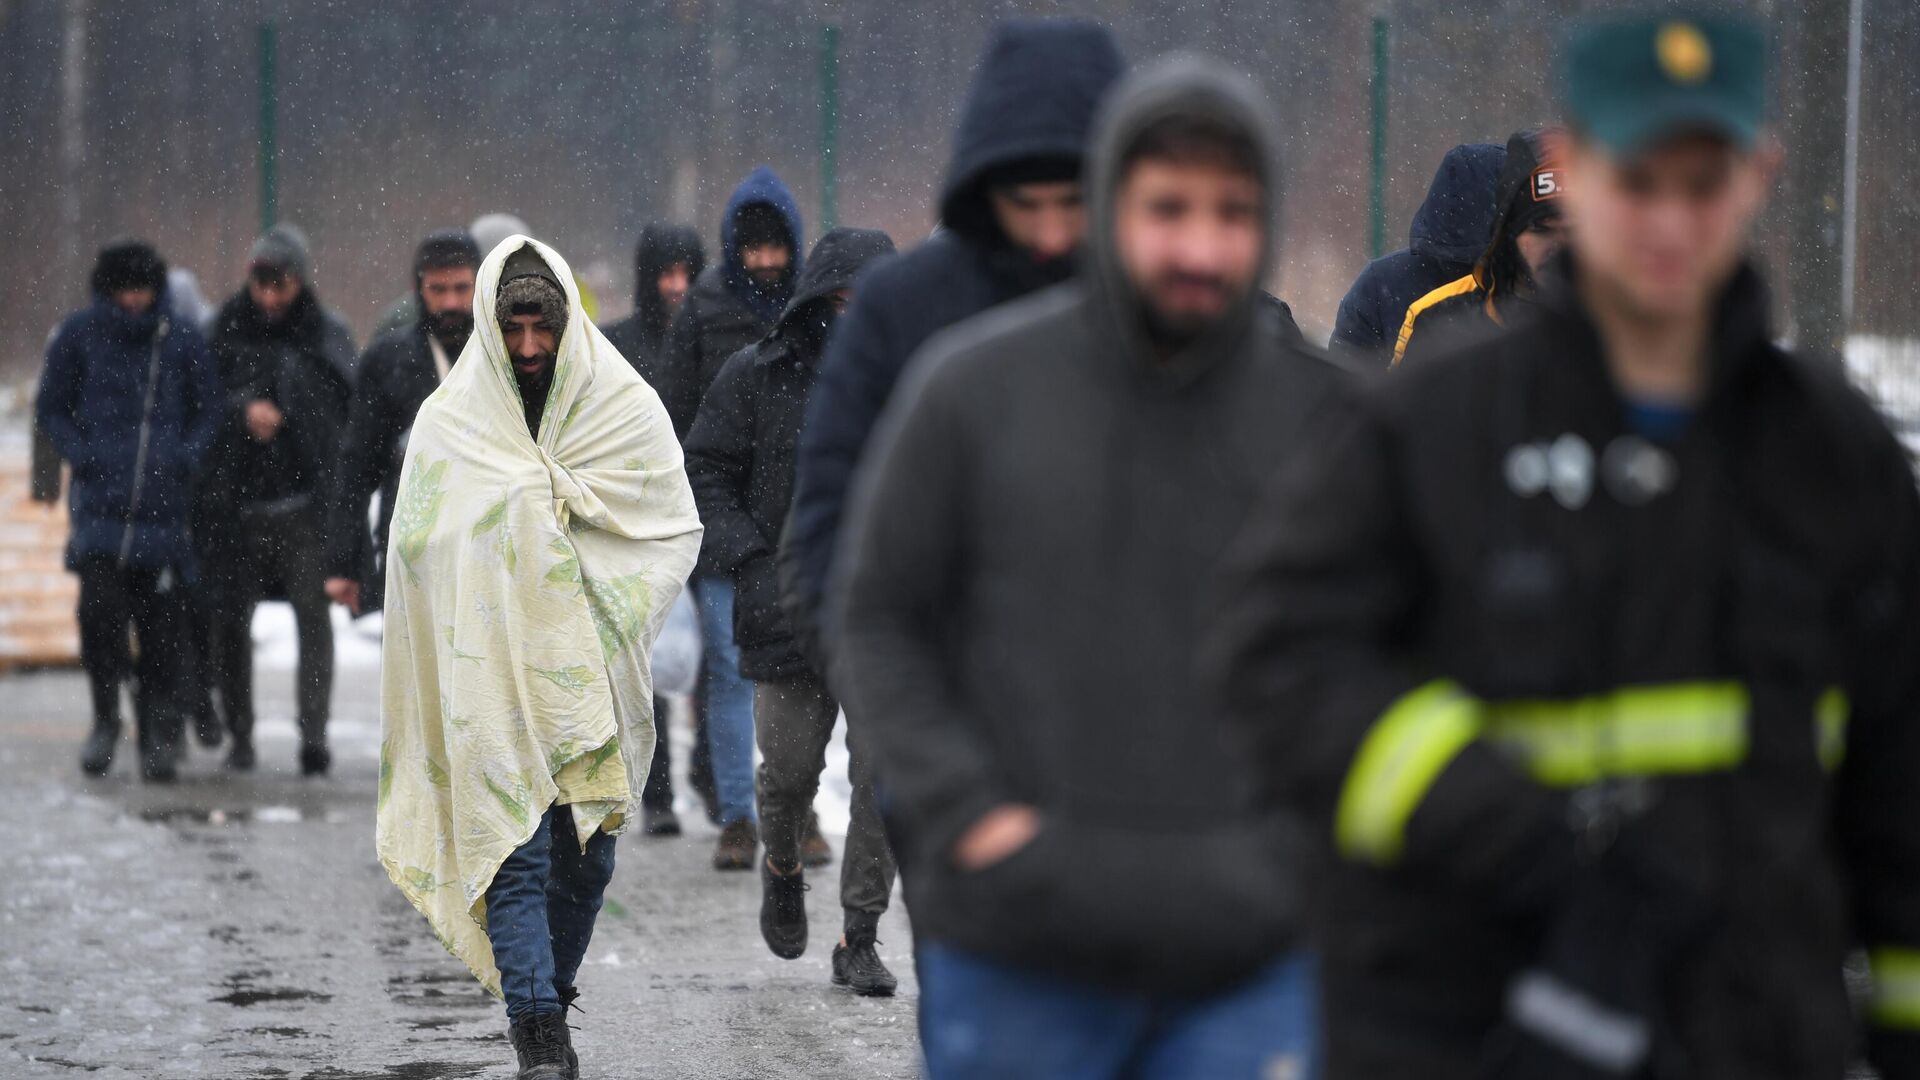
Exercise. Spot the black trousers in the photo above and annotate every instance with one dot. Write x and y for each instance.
(288, 548)
(658, 792)
(153, 603)
(793, 722)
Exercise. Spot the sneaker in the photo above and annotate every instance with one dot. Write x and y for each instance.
(815, 852)
(240, 756)
(857, 966)
(659, 821)
(738, 843)
(545, 1048)
(315, 758)
(783, 910)
(96, 757)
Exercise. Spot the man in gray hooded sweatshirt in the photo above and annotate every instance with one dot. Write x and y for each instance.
(1095, 889)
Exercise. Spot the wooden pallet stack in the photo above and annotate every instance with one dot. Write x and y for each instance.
(37, 595)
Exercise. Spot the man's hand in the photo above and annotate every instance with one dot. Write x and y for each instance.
(263, 420)
(998, 834)
(345, 592)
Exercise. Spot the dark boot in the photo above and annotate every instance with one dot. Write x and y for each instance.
(315, 758)
(545, 1048)
(815, 852)
(857, 966)
(738, 843)
(96, 756)
(659, 821)
(240, 756)
(206, 725)
(783, 910)
(158, 759)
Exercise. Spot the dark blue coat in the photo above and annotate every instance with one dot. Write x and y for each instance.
(724, 311)
(93, 394)
(1033, 97)
(1448, 234)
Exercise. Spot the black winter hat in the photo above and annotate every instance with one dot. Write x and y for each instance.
(760, 223)
(445, 249)
(128, 264)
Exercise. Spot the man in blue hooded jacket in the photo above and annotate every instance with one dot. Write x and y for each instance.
(1449, 232)
(731, 305)
(131, 399)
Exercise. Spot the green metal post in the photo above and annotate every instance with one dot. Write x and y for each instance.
(1377, 177)
(269, 133)
(829, 126)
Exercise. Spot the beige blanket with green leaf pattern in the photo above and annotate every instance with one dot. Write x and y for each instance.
(525, 587)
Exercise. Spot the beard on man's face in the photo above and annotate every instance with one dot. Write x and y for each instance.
(451, 327)
(770, 279)
(1179, 307)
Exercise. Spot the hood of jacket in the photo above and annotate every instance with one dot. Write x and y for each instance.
(762, 186)
(1034, 95)
(1456, 219)
(661, 246)
(1182, 85)
(831, 266)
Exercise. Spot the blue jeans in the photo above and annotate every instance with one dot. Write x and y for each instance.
(540, 912)
(983, 1018)
(728, 700)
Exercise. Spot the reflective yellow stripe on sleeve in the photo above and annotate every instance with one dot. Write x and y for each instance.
(1896, 987)
(1674, 728)
(1830, 727)
(1397, 763)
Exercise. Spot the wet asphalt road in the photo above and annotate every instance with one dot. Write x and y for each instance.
(242, 928)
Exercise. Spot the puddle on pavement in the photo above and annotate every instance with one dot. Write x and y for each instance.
(412, 1070)
(220, 815)
(240, 999)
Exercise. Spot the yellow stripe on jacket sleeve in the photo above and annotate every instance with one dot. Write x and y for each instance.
(1397, 764)
(1445, 292)
(1896, 987)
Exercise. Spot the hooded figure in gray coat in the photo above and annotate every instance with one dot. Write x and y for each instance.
(1027, 575)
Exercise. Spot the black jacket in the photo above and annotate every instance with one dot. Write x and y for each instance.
(1034, 95)
(1449, 232)
(724, 311)
(1023, 593)
(740, 452)
(639, 336)
(394, 376)
(1722, 626)
(304, 365)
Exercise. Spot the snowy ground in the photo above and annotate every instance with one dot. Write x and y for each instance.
(239, 927)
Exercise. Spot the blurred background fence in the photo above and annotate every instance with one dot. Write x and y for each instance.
(589, 118)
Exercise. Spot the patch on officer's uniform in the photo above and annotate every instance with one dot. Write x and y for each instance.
(1685, 55)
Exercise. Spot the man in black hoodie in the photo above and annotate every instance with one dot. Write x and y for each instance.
(1094, 889)
(287, 364)
(666, 262)
(1449, 232)
(740, 462)
(397, 373)
(1011, 217)
(1526, 236)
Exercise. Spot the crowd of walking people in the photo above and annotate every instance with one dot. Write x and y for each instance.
(1520, 686)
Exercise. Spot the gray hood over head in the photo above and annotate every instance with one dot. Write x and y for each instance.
(1181, 85)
